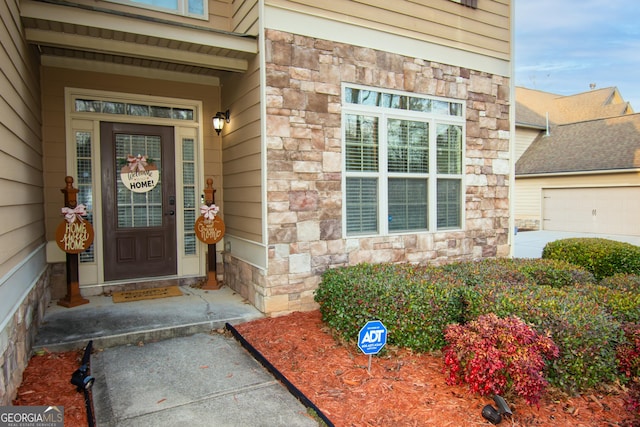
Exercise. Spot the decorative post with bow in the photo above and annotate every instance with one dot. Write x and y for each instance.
(73, 236)
(209, 229)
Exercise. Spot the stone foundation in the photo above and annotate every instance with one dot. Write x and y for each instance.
(18, 336)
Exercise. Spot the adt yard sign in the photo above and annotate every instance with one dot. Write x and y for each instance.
(372, 337)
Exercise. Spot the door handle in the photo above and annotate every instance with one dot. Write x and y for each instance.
(170, 213)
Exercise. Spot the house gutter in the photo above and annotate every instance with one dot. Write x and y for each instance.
(530, 126)
(578, 173)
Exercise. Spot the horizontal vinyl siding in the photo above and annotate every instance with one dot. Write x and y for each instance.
(245, 18)
(220, 14)
(242, 156)
(524, 138)
(485, 30)
(527, 200)
(21, 179)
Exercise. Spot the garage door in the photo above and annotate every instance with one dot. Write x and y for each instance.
(602, 210)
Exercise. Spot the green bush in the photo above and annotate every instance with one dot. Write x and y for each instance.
(583, 330)
(620, 295)
(548, 272)
(602, 257)
(554, 273)
(414, 303)
(557, 298)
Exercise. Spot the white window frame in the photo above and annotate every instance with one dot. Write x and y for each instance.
(384, 114)
(182, 8)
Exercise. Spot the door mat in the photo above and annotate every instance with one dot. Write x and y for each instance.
(142, 294)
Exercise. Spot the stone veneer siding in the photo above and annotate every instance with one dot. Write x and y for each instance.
(304, 161)
(18, 336)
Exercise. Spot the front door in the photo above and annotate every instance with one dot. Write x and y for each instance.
(139, 227)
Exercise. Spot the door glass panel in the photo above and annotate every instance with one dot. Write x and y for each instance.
(85, 183)
(138, 209)
(189, 191)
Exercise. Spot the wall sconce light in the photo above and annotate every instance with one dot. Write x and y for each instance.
(219, 119)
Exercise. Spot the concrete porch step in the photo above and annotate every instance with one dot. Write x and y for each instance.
(109, 324)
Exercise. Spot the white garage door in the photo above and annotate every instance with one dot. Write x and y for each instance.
(605, 210)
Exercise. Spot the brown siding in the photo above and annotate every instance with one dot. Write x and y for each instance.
(56, 79)
(485, 30)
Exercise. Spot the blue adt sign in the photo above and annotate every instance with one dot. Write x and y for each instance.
(372, 337)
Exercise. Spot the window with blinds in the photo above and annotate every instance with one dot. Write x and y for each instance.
(403, 162)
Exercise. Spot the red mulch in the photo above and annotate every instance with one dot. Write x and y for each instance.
(47, 382)
(402, 389)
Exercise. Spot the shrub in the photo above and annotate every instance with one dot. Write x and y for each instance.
(414, 303)
(628, 352)
(498, 356)
(628, 358)
(475, 273)
(544, 272)
(417, 303)
(602, 257)
(623, 304)
(555, 273)
(583, 330)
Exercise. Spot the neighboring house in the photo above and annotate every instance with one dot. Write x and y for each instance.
(359, 132)
(578, 162)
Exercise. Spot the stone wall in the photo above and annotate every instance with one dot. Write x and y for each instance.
(304, 149)
(18, 336)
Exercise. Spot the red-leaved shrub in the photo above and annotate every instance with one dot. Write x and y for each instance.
(628, 358)
(628, 353)
(498, 356)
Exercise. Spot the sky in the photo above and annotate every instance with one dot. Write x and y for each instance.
(563, 46)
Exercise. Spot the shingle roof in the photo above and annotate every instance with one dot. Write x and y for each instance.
(532, 106)
(595, 145)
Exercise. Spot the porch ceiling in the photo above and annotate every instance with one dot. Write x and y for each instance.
(62, 29)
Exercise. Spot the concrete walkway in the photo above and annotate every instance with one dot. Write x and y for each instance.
(162, 362)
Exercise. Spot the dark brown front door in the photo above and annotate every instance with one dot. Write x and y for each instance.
(139, 228)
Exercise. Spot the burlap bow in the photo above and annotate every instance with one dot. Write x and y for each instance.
(209, 212)
(76, 213)
(138, 163)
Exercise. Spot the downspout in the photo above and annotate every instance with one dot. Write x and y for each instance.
(512, 135)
